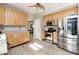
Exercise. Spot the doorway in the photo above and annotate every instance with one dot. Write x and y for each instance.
(31, 29)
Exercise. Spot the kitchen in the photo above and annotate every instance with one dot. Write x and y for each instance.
(50, 28)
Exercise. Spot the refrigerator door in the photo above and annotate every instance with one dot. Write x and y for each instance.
(78, 30)
(69, 39)
(70, 26)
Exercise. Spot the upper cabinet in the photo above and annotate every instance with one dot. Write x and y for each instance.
(2, 17)
(11, 16)
(60, 15)
(8, 16)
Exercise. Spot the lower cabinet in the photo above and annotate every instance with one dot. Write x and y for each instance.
(42, 35)
(55, 37)
(10, 39)
(15, 39)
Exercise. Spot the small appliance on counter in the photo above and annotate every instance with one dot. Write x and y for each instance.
(3, 44)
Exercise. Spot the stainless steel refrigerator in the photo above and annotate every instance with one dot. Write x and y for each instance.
(68, 33)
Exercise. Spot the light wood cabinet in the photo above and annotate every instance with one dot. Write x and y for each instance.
(10, 38)
(42, 35)
(13, 17)
(15, 39)
(2, 17)
(10, 16)
(55, 37)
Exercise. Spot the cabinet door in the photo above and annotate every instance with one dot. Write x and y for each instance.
(2, 17)
(13, 17)
(26, 36)
(23, 37)
(23, 19)
(42, 35)
(20, 38)
(10, 39)
(8, 16)
(16, 18)
(55, 37)
(16, 40)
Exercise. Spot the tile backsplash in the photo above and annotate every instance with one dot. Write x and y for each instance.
(14, 29)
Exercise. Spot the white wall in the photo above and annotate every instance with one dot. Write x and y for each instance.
(37, 28)
(36, 25)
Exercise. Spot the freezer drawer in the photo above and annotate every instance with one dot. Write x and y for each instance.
(69, 47)
(68, 41)
(72, 48)
(60, 44)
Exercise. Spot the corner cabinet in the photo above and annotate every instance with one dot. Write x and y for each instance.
(11, 16)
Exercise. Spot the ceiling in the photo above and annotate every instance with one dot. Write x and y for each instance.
(50, 7)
